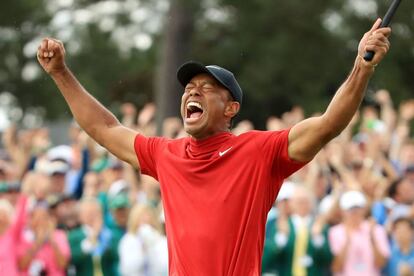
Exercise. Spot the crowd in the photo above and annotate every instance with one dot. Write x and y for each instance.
(351, 210)
(76, 210)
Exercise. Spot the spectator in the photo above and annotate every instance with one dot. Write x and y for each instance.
(298, 244)
(282, 204)
(92, 247)
(143, 250)
(360, 246)
(91, 184)
(119, 206)
(43, 250)
(63, 208)
(10, 229)
(58, 169)
(402, 248)
(369, 161)
(399, 201)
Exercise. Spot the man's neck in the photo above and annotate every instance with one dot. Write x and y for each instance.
(209, 135)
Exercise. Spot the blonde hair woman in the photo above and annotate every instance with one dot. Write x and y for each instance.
(143, 249)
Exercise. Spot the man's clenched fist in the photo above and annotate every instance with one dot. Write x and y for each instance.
(51, 55)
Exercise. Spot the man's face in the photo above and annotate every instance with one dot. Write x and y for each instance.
(405, 191)
(354, 215)
(90, 214)
(407, 154)
(204, 105)
(301, 203)
(403, 232)
(121, 216)
(58, 183)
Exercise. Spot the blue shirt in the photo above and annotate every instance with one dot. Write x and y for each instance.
(397, 258)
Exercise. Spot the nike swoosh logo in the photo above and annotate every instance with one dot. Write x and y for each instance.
(221, 153)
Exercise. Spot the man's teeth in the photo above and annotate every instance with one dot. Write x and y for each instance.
(196, 104)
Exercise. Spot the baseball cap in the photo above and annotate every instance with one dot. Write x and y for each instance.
(119, 201)
(286, 191)
(226, 78)
(4, 188)
(352, 199)
(58, 167)
(62, 152)
(409, 169)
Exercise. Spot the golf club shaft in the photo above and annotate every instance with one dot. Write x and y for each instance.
(369, 55)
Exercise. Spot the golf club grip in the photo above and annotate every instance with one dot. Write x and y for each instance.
(369, 55)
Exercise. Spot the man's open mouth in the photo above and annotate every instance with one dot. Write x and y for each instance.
(194, 110)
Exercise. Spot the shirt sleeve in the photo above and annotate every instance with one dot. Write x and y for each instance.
(335, 240)
(274, 146)
(62, 242)
(20, 218)
(382, 241)
(148, 150)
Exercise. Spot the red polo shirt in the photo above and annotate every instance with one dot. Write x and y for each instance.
(216, 194)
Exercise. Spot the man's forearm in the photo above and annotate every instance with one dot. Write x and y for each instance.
(348, 98)
(88, 112)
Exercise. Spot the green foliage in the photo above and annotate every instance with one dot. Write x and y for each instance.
(284, 53)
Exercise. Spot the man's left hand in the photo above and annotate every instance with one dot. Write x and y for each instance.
(375, 40)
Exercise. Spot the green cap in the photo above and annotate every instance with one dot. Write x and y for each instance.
(119, 201)
(4, 188)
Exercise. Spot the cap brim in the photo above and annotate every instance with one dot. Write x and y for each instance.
(355, 206)
(189, 70)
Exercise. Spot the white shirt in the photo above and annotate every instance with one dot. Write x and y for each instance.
(131, 256)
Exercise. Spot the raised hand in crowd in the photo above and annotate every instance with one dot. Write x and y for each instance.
(95, 229)
(243, 127)
(146, 118)
(335, 157)
(172, 127)
(282, 223)
(19, 153)
(380, 259)
(388, 113)
(129, 115)
(318, 225)
(406, 111)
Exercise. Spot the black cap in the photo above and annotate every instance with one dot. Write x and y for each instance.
(409, 169)
(226, 78)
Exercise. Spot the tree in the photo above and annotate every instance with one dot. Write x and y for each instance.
(176, 47)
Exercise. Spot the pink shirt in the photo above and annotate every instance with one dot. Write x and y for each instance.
(45, 257)
(10, 239)
(359, 259)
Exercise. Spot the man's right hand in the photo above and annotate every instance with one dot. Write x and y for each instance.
(51, 55)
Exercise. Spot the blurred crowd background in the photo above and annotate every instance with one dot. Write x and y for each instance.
(76, 210)
(69, 207)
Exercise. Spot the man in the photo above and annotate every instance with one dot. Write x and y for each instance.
(94, 247)
(360, 246)
(118, 217)
(217, 188)
(297, 244)
(402, 248)
(399, 202)
(63, 208)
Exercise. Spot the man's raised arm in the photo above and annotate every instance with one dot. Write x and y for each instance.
(309, 136)
(92, 116)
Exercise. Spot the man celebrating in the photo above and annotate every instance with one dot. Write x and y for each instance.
(216, 187)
